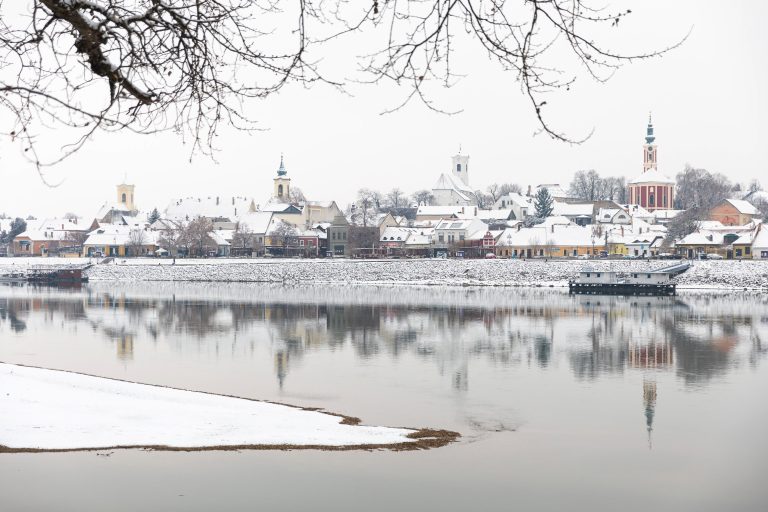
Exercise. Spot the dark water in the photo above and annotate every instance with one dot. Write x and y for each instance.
(564, 403)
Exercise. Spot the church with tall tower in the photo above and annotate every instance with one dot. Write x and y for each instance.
(282, 184)
(652, 190)
(453, 189)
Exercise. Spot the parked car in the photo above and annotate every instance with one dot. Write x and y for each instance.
(490, 256)
(582, 257)
(714, 256)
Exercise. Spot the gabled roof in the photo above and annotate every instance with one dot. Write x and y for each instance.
(572, 209)
(256, 222)
(450, 182)
(702, 238)
(761, 238)
(743, 207)
(652, 176)
(439, 211)
(214, 207)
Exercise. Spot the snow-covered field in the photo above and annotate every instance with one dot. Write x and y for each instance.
(704, 274)
(55, 410)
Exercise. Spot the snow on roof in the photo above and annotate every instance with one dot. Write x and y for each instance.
(558, 220)
(637, 211)
(421, 237)
(396, 234)
(559, 235)
(666, 214)
(276, 207)
(108, 207)
(211, 207)
(554, 189)
(460, 224)
(745, 239)
(256, 222)
(39, 234)
(435, 211)
(702, 238)
(117, 234)
(572, 209)
(499, 214)
(743, 207)
(518, 199)
(652, 176)
(450, 182)
(761, 238)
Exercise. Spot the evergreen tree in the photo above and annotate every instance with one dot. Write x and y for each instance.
(543, 203)
(154, 216)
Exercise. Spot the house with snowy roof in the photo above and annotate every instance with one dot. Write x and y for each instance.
(700, 243)
(522, 206)
(121, 240)
(452, 188)
(760, 243)
(578, 213)
(549, 241)
(733, 212)
(215, 208)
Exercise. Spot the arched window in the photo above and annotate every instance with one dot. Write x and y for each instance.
(280, 191)
(458, 167)
(123, 197)
(651, 199)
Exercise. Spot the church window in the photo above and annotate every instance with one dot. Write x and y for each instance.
(458, 167)
(123, 198)
(280, 191)
(651, 200)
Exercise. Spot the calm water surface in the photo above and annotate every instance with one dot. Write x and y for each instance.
(564, 403)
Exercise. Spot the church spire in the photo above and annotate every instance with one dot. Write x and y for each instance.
(649, 138)
(281, 171)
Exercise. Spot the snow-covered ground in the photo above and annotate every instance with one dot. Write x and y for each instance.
(55, 410)
(704, 274)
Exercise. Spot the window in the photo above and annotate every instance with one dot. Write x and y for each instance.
(344, 235)
(598, 275)
(458, 167)
(279, 191)
(440, 238)
(301, 242)
(123, 196)
(461, 237)
(747, 250)
(738, 252)
(764, 254)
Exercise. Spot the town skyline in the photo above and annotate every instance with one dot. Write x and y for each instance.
(704, 116)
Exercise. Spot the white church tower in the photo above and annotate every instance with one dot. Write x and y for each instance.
(460, 167)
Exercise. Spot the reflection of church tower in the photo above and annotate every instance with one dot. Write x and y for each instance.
(125, 346)
(282, 183)
(281, 366)
(649, 399)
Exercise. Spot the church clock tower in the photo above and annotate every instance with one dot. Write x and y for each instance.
(282, 184)
(650, 150)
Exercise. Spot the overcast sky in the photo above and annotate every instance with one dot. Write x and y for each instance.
(708, 99)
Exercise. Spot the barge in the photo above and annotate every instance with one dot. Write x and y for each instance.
(653, 282)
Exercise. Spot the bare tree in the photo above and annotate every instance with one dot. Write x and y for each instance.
(296, 196)
(197, 235)
(586, 185)
(683, 224)
(242, 237)
(494, 190)
(187, 65)
(423, 197)
(509, 188)
(172, 238)
(698, 188)
(484, 201)
(137, 239)
(77, 238)
(284, 235)
(396, 198)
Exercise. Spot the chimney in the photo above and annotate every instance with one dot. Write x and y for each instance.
(622, 230)
(462, 209)
(553, 227)
(233, 200)
(529, 191)
(217, 200)
(475, 211)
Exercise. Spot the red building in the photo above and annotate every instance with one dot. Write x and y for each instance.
(652, 190)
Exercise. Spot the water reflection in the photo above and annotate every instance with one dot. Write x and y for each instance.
(699, 337)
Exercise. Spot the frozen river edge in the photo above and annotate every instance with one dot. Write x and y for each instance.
(53, 410)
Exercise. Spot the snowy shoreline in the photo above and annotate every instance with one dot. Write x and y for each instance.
(55, 410)
(722, 275)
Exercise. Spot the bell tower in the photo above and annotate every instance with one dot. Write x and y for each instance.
(282, 188)
(460, 167)
(650, 150)
(125, 197)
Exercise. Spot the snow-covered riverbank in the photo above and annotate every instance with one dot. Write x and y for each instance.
(703, 274)
(55, 410)
(716, 274)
